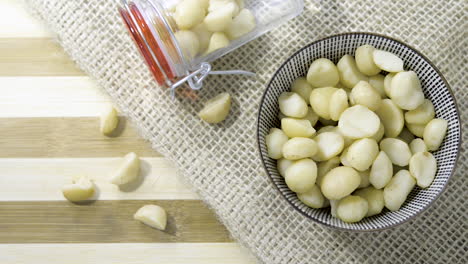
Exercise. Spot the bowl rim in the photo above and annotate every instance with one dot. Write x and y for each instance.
(417, 53)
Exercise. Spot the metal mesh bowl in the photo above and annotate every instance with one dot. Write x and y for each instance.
(435, 89)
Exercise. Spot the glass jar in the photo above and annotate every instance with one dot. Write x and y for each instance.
(179, 38)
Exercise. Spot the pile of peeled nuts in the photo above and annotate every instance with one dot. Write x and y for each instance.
(354, 139)
(209, 25)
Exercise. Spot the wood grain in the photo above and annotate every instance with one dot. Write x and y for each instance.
(106, 222)
(67, 137)
(16, 22)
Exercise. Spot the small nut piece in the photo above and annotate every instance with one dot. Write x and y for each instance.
(380, 133)
(282, 165)
(364, 94)
(323, 73)
(188, 14)
(388, 84)
(242, 24)
(127, 171)
(152, 215)
(218, 20)
(299, 148)
(387, 61)
(362, 153)
(109, 120)
(397, 150)
(349, 72)
(292, 105)
(365, 60)
(81, 190)
(352, 209)
(374, 198)
(203, 35)
(397, 190)
(216, 109)
(274, 142)
(320, 101)
(392, 118)
(302, 88)
(417, 145)
(188, 42)
(218, 41)
(381, 172)
(313, 198)
(358, 122)
(422, 114)
(377, 82)
(324, 167)
(301, 176)
(311, 116)
(423, 166)
(340, 182)
(434, 133)
(293, 127)
(406, 90)
(330, 144)
(417, 130)
(338, 103)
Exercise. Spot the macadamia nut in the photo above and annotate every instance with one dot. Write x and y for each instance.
(358, 122)
(188, 43)
(406, 90)
(417, 130)
(312, 198)
(397, 190)
(374, 198)
(274, 142)
(294, 127)
(109, 120)
(365, 60)
(417, 145)
(324, 167)
(388, 84)
(189, 13)
(434, 133)
(292, 105)
(152, 215)
(382, 171)
(349, 72)
(320, 101)
(338, 103)
(283, 165)
(422, 114)
(220, 19)
(397, 150)
(362, 153)
(423, 167)
(216, 109)
(81, 190)
(392, 118)
(377, 81)
(302, 88)
(352, 209)
(127, 171)
(323, 73)
(299, 148)
(242, 24)
(218, 41)
(340, 182)
(387, 61)
(330, 144)
(364, 94)
(301, 176)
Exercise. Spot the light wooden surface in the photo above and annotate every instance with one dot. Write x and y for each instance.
(49, 135)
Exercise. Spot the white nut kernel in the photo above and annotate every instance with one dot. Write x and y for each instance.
(330, 144)
(152, 215)
(364, 94)
(324, 167)
(82, 189)
(242, 24)
(344, 158)
(421, 115)
(417, 145)
(392, 118)
(320, 101)
(109, 120)
(218, 41)
(397, 151)
(380, 133)
(189, 13)
(292, 105)
(216, 109)
(377, 81)
(274, 142)
(417, 130)
(294, 127)
(323, 73)
(203, 35)
(299, 148)
(362, 153)
(374, 198)
(313, 198)
(282, 165)
(127, 171)
(434, 133)
(220, 19)
(365, 60)
(349, 72)
(423, 167)
(340, 182)
(311, 116)
(358, 122)
(302, 88)
(301, 176)
(338, 103)
(397, 190)
(387, 61)
(406, 90)
(382, 171)
(218, 4)
(352, 209)
(388, 84)
(188, 43)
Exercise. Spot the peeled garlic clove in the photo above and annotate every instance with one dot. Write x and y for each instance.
(358, 122)
(301, 176)
(330, 144)
(109, 120)
(392, 118)
(406, 136)
(320, 101)
(311, 116)
(292, 104)
(380, 133)
(382, 171)
(362, 153)
(387, 61)
(388, 84)
(299, 148)
(374, 198)
(274, 142)
(324, 167)
(338, 103)
(397, 190)
(313, 198)
(282, 165)
(242, 24)
(80, 190)
(302, 88)
(377, 82)
(349, 72)
(417, 130)
(364, 179)
(216, 109)
(188, 43)
(323, 73)
(203, 36)
(340, 182)
(127, 171)
(365, 60)
(397, 150)
(293, 127)
(220, 19)
(189, 13)
(352, 209)
(218, 41)
(152, 215)
(406, 90)
(344, 158)
(364, 94)
(434, 133)
(422, 114)
(423, 167)
(417, 145)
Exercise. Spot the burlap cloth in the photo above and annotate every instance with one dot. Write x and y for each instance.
(221, 162)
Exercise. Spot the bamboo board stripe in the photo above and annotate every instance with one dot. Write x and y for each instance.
(42, 179)
(159, 253)
(67, 137)
(106, 222)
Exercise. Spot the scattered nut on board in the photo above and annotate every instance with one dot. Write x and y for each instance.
(216, 109)
(152, 215)
(109, 120)
(127, 171)
(81, 190)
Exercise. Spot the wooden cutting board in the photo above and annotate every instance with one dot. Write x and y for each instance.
(48, 135)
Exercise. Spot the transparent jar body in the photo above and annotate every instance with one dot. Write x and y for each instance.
(175, 39)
